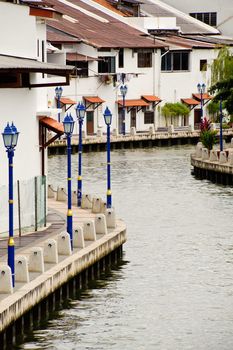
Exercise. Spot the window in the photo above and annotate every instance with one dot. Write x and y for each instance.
(81, 67)
(121, 58)
(144, 58)
(149, 117)
(175, 61)
(107, 64)
(206, 17)
(203, 65)
(14, 80)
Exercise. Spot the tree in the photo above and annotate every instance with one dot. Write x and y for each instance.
(170, 110)
(222, 78)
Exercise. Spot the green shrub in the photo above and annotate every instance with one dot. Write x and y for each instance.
(208, 138)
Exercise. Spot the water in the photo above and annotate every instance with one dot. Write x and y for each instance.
(174, 289)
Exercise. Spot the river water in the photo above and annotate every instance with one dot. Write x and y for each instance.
(174, 287)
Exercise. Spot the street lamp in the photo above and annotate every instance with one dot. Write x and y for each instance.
(68, 123)
(58, 92)
(80, 112)
(108, 121)
(123, 90)
(201, 90)
(220, 112)
(10, 139)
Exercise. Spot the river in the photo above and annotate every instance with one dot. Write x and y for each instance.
(174, 287)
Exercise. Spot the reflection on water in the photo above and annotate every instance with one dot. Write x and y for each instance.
(176, 290)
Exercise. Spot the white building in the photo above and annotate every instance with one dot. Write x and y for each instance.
(24, 99)
(124, 49)
(213, 12)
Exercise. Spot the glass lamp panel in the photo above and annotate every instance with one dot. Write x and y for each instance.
(15, 136)
(7, 139)
(81, 110)
(71, 125)
(7, 136)
(107, 116)
(15, 139)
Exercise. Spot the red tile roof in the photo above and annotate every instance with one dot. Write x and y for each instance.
(94, 27)
(151, 98)
(186, 43)
(67, 101)
(133, 103)
(60, 37)
(93, 99)
(190, 101)
(52, 125)
(73, 56)
(205, 96)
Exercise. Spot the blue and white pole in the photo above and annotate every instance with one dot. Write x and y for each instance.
(10, 138)
(68, 123)
(221, 138)
(58, 92)
(80, 112)
(108, 120)
(201, 90)
(123, 90)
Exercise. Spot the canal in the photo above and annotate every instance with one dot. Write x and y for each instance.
(174, 287)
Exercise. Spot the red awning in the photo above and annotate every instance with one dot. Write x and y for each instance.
(67, 101)
(93, 99)
(190, 101)
(52, 125)
(205, 96)
(133, 103)
(151, 98)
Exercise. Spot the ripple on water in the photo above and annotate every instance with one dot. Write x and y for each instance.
(175, 287)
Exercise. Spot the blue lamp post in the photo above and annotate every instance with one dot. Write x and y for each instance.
(58, 92)
(108, 121)
(68, 123)
(123, 90)
(10, 139)
(201, 90)
(80, 112)
(220, 112)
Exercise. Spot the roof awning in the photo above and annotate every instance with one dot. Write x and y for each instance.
(10, 64)
(130, 104)
(53, 125)
(191, 102)
(73, 56)
(154, 100)
(96, 101)
(67, 101)
(205, 97)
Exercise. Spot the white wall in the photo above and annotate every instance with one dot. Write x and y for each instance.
(18, 31)
(224, 9)
(169, 86)
(142, 81)
(177, 85)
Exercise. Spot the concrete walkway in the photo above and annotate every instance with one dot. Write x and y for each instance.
(56, 223)
(41, 284)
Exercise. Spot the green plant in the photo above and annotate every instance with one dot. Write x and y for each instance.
(208, 138)
(170, 110)
(222, 79)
